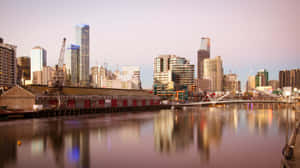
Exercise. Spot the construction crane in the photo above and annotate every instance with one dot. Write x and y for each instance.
(59, 74)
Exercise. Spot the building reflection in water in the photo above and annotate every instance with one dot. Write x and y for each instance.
(66, 143)
(174, 130)
(8, 147)
(56, 138)
(77, 148)
(209, 132)
(163, 131)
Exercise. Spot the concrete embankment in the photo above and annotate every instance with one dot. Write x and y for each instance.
(8, 115)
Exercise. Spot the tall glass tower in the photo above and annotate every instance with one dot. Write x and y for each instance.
(83, 40)
(203, 53)
(38, 59)
(72, 65)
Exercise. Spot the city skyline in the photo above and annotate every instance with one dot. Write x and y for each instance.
(248, 36)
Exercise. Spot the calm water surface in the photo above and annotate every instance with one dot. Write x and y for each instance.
(228, 136)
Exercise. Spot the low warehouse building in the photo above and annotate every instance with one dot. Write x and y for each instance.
(43, 97)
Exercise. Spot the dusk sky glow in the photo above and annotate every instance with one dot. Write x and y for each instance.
(248, 34)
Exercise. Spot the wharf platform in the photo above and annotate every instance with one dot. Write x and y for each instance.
(10, 115)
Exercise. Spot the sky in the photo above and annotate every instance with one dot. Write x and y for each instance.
(248, 34)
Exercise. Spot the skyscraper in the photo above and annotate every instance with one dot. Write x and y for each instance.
(231, 83)
(23, 66)
(274, 84)
(72, 65)
(38, 60)
(213, 71)
(128, 78)
(262, 78)
(182, 73)
(250, 83)
(83, 40)
(162, 75)
(8, 66)
(48, 74)
(289, 78)
(132, 74)
(172, 72)
(203, 53)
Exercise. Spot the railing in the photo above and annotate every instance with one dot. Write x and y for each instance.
(233, 101)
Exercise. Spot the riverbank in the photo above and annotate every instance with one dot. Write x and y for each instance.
(11, 115)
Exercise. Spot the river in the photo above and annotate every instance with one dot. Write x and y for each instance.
(248, 135)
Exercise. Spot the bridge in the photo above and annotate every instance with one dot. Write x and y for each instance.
(220, 100)
(231, 102)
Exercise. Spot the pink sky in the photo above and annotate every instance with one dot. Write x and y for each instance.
(247, 34)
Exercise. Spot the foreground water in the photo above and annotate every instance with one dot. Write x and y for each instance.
(228, 136)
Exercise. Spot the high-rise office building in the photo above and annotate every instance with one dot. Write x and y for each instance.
(8, 68)
(128, 78)
(23, 67)
(274, 84)
(213, 71)
(38, 59)
(231, 83)
(250, 83)
(162, 75)
(172, 72)
(262, 78)
(295, 78)
(203, 53)
(48, 75)
(289, 78)
(182, 74)
(96, 76)
(72, 65)
(83, 40)
(37, 78)
(284, 78)
(132, 74)
(44, 77)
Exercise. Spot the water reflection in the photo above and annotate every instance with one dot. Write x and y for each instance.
(79, 142)
(8, 147)
(174, 131)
